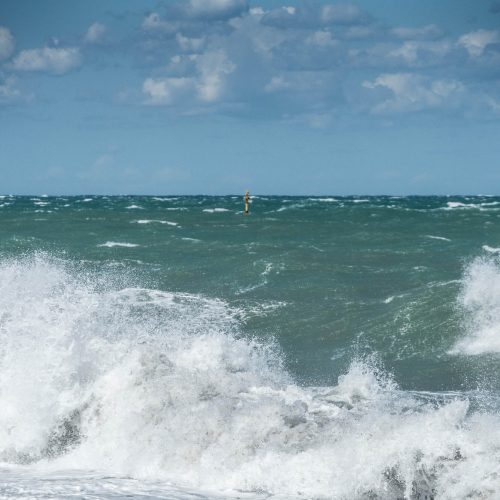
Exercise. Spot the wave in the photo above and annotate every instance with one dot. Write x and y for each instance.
(487, 248)
(442, 238)
(480, 302)
(450, 205)
(152, 221)
(151, 384)
(111, 244)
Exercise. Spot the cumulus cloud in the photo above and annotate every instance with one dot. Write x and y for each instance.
(342, 14)
(412, 92)
(413, 51)
(305, 59)
(154, 23)
(431, 31)
(6, 43)
(10, 93)
(310, 15)
(476, 41)
(48, 59)
(219, 9)
(493, 104)
(95, 33)
(188, 44)
(277, 83)
(163, 91)
(206, 85)
(321, 39)
(213, 68)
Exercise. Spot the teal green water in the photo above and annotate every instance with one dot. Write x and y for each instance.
(328, 279)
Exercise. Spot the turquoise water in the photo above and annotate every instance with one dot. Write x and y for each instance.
(394, 295)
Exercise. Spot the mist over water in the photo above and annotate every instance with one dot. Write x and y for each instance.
(318, 348)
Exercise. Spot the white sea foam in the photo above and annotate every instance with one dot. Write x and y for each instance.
(487, 248)
(324, 200)
(290, 207)
(133, 207)
(442, 238)
(150, 384)
(478, 206)
(458, 204)
(215, 210)
(111, 244)
(152, 221)
(480, 301)
(451, 205)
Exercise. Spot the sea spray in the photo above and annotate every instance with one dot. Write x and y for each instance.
(163, 386)
(479, 302)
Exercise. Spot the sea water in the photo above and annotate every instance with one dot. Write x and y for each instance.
(318, 348)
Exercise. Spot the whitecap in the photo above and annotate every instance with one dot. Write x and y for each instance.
(437, 237)
(152, 221)
(487, 248)
(215, 210)
(457, 204)
(111, 244)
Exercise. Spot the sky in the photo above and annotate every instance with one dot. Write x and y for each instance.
(278, 97)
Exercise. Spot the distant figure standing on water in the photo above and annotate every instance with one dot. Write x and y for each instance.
(247, 200)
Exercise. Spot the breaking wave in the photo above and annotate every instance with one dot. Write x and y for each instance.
(158, 385)
(480, 302)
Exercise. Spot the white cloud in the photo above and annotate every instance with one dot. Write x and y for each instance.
(95, 33)
(476, 41)
(216, 8)
(411, 50)
(276, 83)
(359, 32)
(189, 44)
(6, 43)
(321, 39)
(411, 92)
(493, 104)
(49, 59)
(424, 32)
(10, 92)
(213, 68)
(163, 91)
(207, 84)
(153, 22)
(257, 11)
(342, 14)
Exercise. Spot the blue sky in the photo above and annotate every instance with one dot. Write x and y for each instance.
(220, 96)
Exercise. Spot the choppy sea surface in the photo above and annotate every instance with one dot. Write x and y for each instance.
(318, 348)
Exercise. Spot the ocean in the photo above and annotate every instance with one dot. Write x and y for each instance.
(319, 348)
